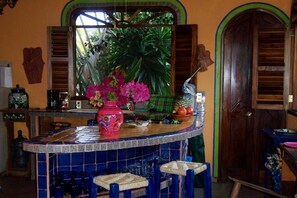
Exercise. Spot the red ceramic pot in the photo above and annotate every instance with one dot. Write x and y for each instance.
(110, 118)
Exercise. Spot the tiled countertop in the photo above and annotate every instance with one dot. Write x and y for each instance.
(88, 138)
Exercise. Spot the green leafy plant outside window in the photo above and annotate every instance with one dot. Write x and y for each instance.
(142, 52)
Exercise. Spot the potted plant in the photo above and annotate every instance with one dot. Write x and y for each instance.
(111, 94)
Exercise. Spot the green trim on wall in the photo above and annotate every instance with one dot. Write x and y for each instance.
(218, 51)
(174, 4)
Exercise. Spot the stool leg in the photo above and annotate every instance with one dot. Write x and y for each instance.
(207, 182)
(150, 190)
(174, 186)
(157, 181)
(190, 183)
(127, 194)
(92, 189)
(235, 190)
(114, 190)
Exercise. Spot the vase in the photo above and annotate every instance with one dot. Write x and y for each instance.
(141, 106)
(110, 118)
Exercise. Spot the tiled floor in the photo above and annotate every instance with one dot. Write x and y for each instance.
(19, 187)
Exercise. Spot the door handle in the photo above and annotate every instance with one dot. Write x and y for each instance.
(248, 114)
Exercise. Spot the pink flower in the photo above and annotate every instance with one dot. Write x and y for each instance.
(96, 100)
(113, 87)
(139, 92)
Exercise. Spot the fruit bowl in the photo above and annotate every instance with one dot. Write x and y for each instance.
(181, 118)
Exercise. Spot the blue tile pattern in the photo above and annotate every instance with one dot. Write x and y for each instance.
(92, 163)
(103, 162)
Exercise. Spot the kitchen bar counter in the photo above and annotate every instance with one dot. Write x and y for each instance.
(82, 150)
(88, 138)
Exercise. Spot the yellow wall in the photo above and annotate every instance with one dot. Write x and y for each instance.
(26, 26)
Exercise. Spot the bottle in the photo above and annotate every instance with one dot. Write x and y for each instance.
(74, 187)
(19, 156)
(58, 187)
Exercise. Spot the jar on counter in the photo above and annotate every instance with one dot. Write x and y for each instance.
(18, 98)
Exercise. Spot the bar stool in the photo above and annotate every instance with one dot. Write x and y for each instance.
(126, 182)
(189, 170)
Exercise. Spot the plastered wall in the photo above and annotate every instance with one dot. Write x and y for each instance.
(26, 26)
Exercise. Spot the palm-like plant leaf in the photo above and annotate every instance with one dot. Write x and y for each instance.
(143, 53)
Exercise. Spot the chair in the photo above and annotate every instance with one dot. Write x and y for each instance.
(238, 183)
(188, 170)
(126, 182)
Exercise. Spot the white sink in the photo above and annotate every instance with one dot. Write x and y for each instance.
(83, 110)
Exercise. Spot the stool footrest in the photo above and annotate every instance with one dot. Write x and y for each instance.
(126, 181)
(181, 167)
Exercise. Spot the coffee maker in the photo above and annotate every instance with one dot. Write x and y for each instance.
(53, 99)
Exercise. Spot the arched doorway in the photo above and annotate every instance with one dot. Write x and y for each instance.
(239, 146)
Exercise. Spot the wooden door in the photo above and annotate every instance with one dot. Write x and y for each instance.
(242, 144)
(237, 116)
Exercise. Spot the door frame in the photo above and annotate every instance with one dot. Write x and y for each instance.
(218, 65)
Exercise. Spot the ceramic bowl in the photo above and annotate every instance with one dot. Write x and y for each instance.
(181, 118)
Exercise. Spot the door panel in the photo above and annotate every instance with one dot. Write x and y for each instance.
(242, 144)
(237, 119)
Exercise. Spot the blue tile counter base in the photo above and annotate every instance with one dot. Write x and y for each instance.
(139, 161)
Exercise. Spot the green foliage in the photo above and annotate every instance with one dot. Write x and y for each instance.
(144, 53)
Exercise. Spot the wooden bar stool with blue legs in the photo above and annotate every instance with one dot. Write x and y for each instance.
(189, 170)
(126, 182)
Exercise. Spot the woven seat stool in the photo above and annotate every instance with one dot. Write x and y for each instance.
(189, 170)
(125, 182)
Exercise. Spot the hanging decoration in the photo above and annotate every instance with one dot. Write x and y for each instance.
(33, 64)
(10, 3)
(203, 59)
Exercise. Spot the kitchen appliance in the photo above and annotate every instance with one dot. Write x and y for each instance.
(53, 99)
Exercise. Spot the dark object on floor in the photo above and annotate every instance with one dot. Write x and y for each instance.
(238, 183)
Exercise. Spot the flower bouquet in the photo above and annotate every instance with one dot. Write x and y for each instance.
(108, 90)
(114, 88)
(111, 94)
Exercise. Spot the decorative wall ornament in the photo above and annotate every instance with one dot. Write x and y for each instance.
(10, 3)
(203, 59)
(33, 64)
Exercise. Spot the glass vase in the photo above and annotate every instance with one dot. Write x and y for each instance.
(110, 118)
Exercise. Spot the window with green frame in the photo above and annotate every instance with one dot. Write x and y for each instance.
(72, 68)
(136, 40)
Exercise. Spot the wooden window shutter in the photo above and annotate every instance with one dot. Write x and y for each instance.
(269, 68)
(184, 45)
(60, 58)
(294, 68)
(294, 54)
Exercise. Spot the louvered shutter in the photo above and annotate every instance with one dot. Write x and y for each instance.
(294, 65)
(269, 68)
(60, 58)
(184, 45)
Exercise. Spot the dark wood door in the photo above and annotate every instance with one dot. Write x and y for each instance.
(242, 144)
(237, 115)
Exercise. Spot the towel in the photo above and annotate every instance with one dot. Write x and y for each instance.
(291, 144)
